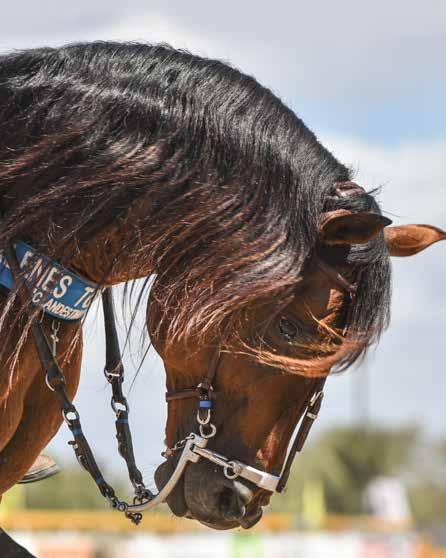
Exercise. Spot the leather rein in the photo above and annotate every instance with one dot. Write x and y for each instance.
(193, 447)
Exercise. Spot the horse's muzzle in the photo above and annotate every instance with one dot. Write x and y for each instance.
(205, 494)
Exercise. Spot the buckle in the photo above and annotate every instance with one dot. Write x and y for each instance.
(117, 372)
(205, 391)
(315, 397)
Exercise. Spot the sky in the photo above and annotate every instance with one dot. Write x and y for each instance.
(369, 80)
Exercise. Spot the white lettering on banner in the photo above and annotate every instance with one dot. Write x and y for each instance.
(40, 272)
(37, 297)
(62, 288)
(49, 277)
(63, 311)
(36, 272)
(43, 275)
(86, 297)
(26, 256)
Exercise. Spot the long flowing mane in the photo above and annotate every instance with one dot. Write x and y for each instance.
(233, 182)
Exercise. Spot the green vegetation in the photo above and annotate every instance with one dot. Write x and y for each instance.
(70, 489)
(344, 460)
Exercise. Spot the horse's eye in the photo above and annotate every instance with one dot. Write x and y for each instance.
(288, 329)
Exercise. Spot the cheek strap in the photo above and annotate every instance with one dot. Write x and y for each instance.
(311, 414)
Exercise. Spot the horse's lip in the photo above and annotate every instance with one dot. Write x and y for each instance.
(249, 521)
(245, 522)
(219, 527)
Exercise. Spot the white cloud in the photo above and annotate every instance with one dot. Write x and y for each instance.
(322, 50)
(413, 175)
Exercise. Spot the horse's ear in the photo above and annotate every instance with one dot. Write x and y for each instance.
(344, 227)
(407, 240)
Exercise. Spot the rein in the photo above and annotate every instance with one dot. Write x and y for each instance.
(193, 447)
(56, 382)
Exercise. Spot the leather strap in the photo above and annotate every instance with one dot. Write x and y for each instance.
(114, 372)
(204, 389)
(351, 288)
(55, 380)
(307, 422)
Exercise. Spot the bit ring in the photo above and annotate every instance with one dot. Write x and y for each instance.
(210, 434)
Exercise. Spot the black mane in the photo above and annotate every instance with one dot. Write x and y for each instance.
(88, 129)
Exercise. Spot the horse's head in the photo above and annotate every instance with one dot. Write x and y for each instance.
(257, 396)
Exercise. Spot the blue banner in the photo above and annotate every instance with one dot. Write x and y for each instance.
(71, 297)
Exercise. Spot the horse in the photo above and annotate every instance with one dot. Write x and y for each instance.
(271, 266)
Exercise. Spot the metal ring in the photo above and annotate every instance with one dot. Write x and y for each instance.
(66, 418)
(47, 381)
(205, 420)
(226, 470)
(114, 405)
(210, 434)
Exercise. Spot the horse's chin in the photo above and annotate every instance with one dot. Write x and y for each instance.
(175, 500)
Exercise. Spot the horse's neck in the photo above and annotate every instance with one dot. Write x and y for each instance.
(112, 256)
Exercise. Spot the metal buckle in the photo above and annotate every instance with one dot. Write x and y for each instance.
(115, 406)
(113, 374)
(315, 397)
(66, 418)
(205, 391)
(60, 382)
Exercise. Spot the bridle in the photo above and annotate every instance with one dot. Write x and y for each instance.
(206, 396)
(190, 449)
(233, 468)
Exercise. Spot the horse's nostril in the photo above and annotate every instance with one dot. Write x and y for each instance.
(230, 504)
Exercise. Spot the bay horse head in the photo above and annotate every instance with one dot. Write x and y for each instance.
(121, 161)
(261, 376)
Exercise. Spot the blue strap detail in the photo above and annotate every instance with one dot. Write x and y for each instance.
(99, 480)
(71, 297)
(76, 431)
(205, 404)
(123, 420)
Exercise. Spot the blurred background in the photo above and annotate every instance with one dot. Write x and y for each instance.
(369, 80)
